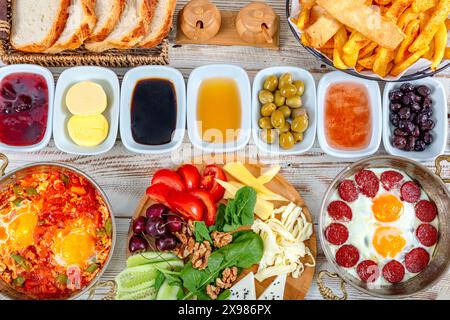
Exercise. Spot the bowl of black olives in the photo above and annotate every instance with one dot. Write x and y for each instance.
(415, 119)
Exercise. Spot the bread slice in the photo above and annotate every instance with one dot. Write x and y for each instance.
(108, 14)
(131, 28)
(161, 24)
(78, 27)
(37, 24)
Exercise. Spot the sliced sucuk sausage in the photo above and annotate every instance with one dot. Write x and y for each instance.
(393, 271)
(416, 260)
(347, 256)
(348, 191)
(336, 233)
(368, 271)
(427, 234)
(426, 211)
(340, 211)
(410, 192)
(368, 183)
(390, 179)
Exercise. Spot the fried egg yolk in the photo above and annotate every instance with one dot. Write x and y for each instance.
(387, 208)
(21, 230)
(388, 241)
(74, 248)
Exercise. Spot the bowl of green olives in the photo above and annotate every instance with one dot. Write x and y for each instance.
(284, 110)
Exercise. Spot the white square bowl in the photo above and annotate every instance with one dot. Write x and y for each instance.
(110, 83)
(129, 82)
(440, 115)
(374, 93)
(44, 72)
(196, 77)
(309, 103)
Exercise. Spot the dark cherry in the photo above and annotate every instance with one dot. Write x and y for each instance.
(166, 243)
(156, 210)
(424, 91)
(139, 224)
(395, 95)
(155, 227)
(404, 113)
(399, 142)
(174, 223)
(137, 243)
(395, 107)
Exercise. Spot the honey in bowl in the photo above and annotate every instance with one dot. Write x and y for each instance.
(219, 111)
(348, 116)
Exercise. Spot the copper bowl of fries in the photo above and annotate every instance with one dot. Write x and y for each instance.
(435, 187)
(390, 40)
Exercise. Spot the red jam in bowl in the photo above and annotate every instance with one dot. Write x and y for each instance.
(23, 109)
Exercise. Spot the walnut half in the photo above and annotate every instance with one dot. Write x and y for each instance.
(221, 239)
(212, 291)
(229, 275)
(201, 254)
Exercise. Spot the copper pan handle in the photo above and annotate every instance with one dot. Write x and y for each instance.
(438, 162)
(111, 293)
(325, 291)
(5, 162)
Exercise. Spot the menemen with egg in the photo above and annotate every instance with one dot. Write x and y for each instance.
(55, 234)
(381, 226)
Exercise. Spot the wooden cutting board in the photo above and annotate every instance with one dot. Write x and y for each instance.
(296, 289)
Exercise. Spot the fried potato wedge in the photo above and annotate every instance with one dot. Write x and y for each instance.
(440, 42)
(423, 5)
(399, 68)
(412, 30)
(339, 41)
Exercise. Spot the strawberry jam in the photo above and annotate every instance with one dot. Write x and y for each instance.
(23, 109)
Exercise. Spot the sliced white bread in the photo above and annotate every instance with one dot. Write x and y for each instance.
(131, 28)
(37, 24)
(78, 27)
(108, 14)
(161, 24)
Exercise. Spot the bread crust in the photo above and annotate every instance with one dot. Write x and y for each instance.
(84, 30)
(133, 37)
(113, 18)
(54, 32)
(164, 28)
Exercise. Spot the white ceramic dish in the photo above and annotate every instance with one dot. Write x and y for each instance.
(439, 132)
(29, 68)
(373, 91)
(129, 82)
(219, 71)
(110, 83)
(309, 103)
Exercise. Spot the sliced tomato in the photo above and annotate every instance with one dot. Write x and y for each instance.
(190, 175)
(170, 178)
(211, 209)
(209, 183)
(179, 202)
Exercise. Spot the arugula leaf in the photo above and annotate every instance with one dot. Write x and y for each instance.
(225, 295)
(159, 280)
(220, 218)
(201, 232)
(239, 211)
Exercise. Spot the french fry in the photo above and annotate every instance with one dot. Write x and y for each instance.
(423, 5)
(399, 68)
(440, 14)
(440, 41)
(303, 18)
(368, 50)
(339, 40)
(308, 4)
(329, 44)
(368, 62)
(397, 8)
(447, 53)
(424, 18)
(351, 49)
(412, 30)
(383, 58)
(383, 2)
(429, 55)
(407, 16)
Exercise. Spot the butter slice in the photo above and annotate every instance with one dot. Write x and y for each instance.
(86, 98)
(88, 131)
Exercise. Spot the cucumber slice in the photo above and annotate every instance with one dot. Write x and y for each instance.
(149, 257)
(145, 294)
(168, 292)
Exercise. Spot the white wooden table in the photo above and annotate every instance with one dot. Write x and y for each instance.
(125, 175)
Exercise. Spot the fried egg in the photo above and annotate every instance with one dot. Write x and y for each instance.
(74, 247)
(382, 228)
(18, 229)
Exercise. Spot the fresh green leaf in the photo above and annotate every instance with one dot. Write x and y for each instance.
(21, 261)
(61, 279)
(201, 232)
(64, 179)
(31, 191)
(92, 268)
(180, 294)
(108, 227)
(220, 217)
(17, 189)
(239, 211)
(18, 201)
(225, 295)
(159, 280)
(19, 281)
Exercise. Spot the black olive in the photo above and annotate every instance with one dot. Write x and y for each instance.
(410, 143)
(399, 142)
(424, 91)
(395, 119)
(427, 125)
(395, 95)
(395, 107)
(415, 106)
(400, 133)
(427, 137)
(404, 113)
(427, 102)
(420, 146)
(407, 87)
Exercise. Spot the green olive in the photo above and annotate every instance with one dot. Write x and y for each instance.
(277, 119)
(267, 109)
(300, 124)
(265, 123)
(271, 83)
(300, 87)
(298, 137)
(287, 140)
(294, 102)
(286, 111)
(285, 79)
(298, 112)
(279, 99)
(286, 127)
(269, 135)
(288, 91)
(265, 96)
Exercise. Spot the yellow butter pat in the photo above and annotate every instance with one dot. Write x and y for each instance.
(86, 98)
(88, 131)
